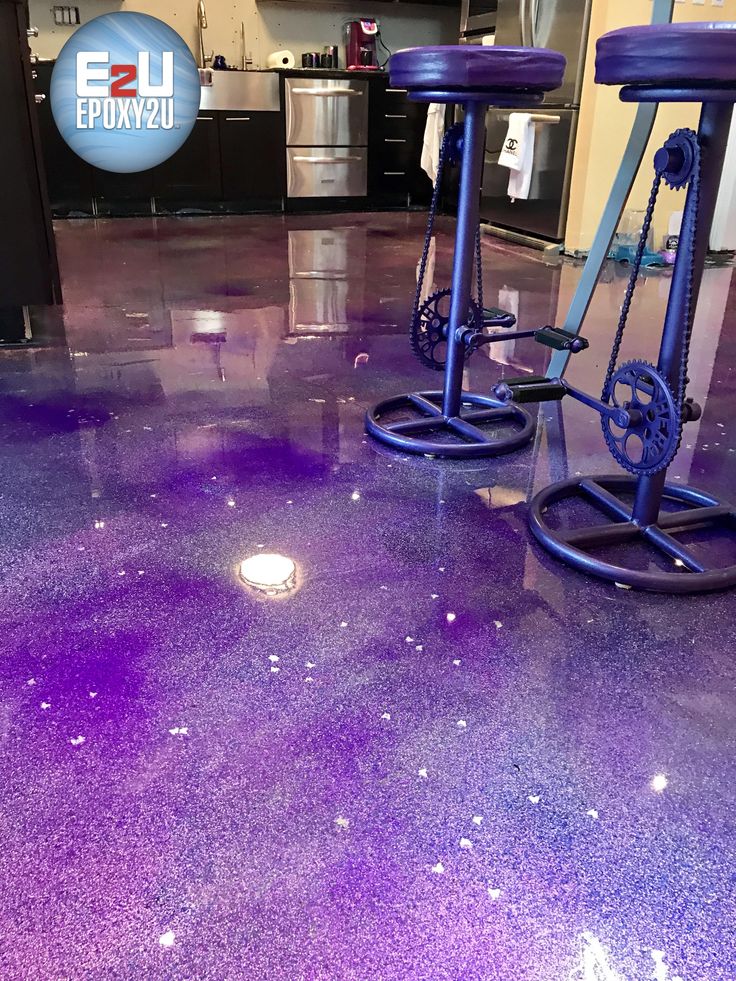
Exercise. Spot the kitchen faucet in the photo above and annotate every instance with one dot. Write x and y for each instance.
(201, 27)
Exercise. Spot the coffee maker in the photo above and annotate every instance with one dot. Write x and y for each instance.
(360, 44)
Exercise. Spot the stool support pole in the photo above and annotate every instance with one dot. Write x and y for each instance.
(468, 212)
(453, 423)
(715, 123)
(630, 163)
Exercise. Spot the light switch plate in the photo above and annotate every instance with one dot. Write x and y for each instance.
(717, 3)
(66, 16)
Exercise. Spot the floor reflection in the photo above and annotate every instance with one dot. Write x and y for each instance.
(327, 275)
(217, 779)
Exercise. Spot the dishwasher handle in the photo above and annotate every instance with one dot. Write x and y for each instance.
(326, 92)
(325, 160)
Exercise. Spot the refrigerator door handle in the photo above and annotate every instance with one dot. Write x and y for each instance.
(522, 23)
(464, 14)
(536, 117)
(533, 17)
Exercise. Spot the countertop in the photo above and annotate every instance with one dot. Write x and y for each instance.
(331, 72)
(314, 72)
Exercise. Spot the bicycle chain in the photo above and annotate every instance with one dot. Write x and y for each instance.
(451, 136)
(687, 240)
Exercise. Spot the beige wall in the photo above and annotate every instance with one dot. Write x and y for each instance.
(605, 123)
(269, 26)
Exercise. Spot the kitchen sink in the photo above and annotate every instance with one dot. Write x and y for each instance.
(232, 91)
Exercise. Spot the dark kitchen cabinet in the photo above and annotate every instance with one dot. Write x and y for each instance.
(253, 156)
(122, 194)
(29, 273)
(190, 181)
(69, 178)
(235, 161)
(396, 133)
(75, 188)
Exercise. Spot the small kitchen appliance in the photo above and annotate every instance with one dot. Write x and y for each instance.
(360, 44)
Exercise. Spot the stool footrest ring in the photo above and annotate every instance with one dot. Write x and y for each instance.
(576, 545)
(483, 427)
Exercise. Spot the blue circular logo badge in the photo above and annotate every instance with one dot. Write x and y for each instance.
(125, 92)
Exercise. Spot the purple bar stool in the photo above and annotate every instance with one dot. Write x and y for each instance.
(474, 77)
(663, 63)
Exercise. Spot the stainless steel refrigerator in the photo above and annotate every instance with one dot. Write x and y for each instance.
(563, 26)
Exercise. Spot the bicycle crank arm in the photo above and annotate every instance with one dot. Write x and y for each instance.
(536, 388)
(623, 418)
(476, 338)
(554, 337)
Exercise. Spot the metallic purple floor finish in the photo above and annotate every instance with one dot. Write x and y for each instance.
(442, 755)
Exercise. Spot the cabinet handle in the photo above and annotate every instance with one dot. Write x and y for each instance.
(324, 160)
(325, 92)
(237, 119)
(394, 141)
(394, 173)
(205, 119)
(394, 115)
(403, 91)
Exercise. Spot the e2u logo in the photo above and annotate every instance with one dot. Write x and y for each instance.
(95, 67)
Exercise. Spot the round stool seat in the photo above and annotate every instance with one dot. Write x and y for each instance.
(476, 68)
(668, 55)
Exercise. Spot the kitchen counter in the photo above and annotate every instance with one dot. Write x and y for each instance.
(259, 90)
(235, 159)
(317, 72)
(331, 72)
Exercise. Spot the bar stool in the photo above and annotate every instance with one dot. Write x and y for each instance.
(664, 63)
(450, 423)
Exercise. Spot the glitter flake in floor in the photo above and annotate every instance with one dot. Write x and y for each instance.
(411, 746)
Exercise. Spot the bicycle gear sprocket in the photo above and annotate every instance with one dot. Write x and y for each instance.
(428, 330)
(650, 443)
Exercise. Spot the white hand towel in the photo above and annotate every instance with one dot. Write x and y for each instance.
(518, 154)
(433, 132)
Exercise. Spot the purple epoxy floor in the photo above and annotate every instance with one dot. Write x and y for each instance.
(499, 769)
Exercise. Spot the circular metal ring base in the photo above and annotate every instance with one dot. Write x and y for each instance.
(468, 437)
(574, 546)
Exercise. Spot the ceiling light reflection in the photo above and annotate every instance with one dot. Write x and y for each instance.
(269, 573)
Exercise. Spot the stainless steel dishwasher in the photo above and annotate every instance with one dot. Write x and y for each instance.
(326, 137)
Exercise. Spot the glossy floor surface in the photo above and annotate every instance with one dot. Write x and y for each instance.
(442, 755)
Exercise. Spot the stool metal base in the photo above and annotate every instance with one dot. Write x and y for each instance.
(573, 545)
(415, 435)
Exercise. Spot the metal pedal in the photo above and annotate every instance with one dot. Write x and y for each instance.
(496, 317)
(530, 388)
(560, 340)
